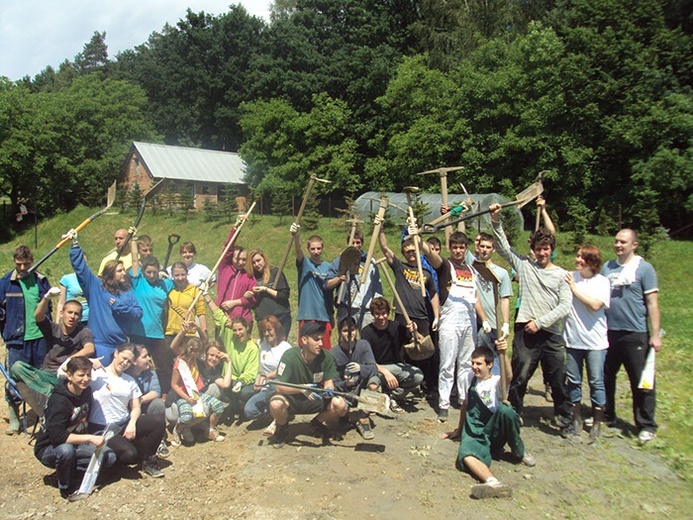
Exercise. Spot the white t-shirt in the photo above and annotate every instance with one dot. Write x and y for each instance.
(197, 273)
(585, 329)
(488, 390)
(112, 396)
(269, 357)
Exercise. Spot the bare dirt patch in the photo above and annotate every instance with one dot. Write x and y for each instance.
(405, 472)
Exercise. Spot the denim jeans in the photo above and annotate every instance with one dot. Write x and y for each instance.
(71, 461)
(594, 359)
(408, 377)
(258, 404)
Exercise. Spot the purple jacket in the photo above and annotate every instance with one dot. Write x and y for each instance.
(233, 284)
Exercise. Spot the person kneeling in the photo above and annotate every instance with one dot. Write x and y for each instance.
(307, 365)
(63, 443)
(486, 425)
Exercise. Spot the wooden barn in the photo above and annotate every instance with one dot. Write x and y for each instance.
(206, 173)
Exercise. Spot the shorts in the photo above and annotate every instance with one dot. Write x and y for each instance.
(299, 404)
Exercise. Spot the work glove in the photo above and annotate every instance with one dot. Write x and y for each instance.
(132, 231)
(412, 228)
(353, 368)
(328, 393)
(378, 220)
(72, 235)
(163, 275)
(204, 288)
(435, 324)
(486, 326)
(505, 330)
(295, 228)
(52, 293)
(237, 387)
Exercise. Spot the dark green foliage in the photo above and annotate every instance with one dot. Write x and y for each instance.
(134, 197)
(311, 215)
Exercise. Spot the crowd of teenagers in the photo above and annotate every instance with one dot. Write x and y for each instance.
(130, 369)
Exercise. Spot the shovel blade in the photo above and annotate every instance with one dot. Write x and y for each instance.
(530, 193)
(418, 350)
(370, 401)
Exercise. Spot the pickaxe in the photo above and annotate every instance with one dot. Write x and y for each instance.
(408, 190)
(297, 221)
(522, 198)
(443, 172)
(374, 237)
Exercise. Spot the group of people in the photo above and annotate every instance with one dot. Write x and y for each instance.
(143, 373)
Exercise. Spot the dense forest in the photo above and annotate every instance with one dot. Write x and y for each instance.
(369, 92)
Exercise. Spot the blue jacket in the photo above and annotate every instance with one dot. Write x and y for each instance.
(12, 306)
(110, 323)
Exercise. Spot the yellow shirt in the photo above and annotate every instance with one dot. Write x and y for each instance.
(178, 304)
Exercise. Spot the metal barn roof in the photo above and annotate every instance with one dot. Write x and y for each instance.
(191, 164)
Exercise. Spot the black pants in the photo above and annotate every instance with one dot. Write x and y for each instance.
(629, 349)
(528, 351)
(150, 431)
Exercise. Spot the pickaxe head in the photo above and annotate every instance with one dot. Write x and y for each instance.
(411, 189)
(442, 171)
(540, 175)
(318, 179)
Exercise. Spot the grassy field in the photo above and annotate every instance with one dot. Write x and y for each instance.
(675, 400)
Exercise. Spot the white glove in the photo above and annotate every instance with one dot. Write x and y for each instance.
(413, 229)
(72, 235)
(378, 220)
(295, 228)
(132, 231)
(486, 326)
(505, 330)
(52, 293)
(204, 288)
(237, 387)
(434, 325)
(353, 368)
(163, 275)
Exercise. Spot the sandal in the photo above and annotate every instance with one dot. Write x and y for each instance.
(215, 436)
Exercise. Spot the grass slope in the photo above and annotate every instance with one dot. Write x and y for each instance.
(675, 399)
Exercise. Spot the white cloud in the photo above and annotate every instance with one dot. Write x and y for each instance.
(38, 33)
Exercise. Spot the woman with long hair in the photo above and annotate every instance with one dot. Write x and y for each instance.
(270, 300)
(113, 308)
(117, 407)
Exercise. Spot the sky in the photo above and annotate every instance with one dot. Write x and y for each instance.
(38, 33)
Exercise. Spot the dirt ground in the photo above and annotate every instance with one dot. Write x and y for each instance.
(407, 471)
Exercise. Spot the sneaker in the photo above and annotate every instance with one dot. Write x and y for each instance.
(646, 436)
(528, 460)
(443, 415)
(569, 432)
(151, 468)
(77, 496)
(364, 429)
(547, 393)
(215, 436)
(395, 407)
(495, 490)
(269, 431)
(280, 436)
(162, 451)
(175, 439)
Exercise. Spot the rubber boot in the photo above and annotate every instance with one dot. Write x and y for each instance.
(13, 413)
(577, 416)
(598, 415)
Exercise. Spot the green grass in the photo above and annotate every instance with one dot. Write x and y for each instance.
(674, 373)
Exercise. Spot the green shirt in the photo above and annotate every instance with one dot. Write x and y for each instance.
(31, 300)
(293, 368)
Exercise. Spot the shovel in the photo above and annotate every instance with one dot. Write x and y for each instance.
(173, 239)
(367, 400)
(110, 199)
(417, 349)
(531, 192)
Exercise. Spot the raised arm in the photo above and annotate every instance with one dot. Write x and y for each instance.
(382, 240)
